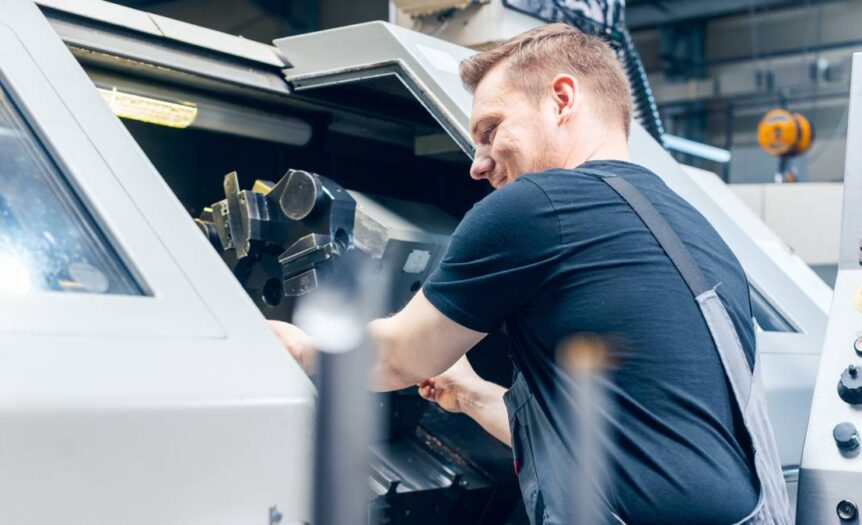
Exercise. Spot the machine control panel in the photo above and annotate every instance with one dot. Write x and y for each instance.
(830, 477)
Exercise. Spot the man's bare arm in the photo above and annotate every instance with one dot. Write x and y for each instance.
(489, 410)
(416, 343)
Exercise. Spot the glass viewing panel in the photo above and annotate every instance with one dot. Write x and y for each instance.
(766, 316)
(48, 240)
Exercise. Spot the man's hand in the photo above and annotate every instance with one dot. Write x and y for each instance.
(460, 389)
(297, 342)
(455, 389)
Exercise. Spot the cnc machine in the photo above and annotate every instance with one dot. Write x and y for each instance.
(140, 382)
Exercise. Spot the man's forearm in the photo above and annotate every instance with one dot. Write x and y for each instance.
(485, 405)
(416, 343)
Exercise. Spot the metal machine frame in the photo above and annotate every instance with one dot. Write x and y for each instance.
(829, 474)
(138, 409)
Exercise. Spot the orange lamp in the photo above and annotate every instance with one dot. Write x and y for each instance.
(784, 134)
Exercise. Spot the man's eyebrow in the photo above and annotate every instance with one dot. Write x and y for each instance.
(484, 121)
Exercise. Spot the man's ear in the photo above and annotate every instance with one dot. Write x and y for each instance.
(566, 96)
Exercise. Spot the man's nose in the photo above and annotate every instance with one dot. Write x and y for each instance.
(482, 166)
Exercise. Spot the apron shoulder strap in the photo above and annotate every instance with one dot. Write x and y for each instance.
(747, 387)
(669, 241)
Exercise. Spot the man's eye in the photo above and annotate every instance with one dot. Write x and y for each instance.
(486, 136)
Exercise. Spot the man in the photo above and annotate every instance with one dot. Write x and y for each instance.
(577, 240)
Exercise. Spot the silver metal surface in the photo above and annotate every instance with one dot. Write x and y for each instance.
(317, 224)
(409, 239)
(213, 113)
(167, 28)
(829, 475)
(178, 408)
(145, 52)
(428, 67)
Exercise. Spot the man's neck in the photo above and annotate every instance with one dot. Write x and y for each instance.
(608, 147)
(611, 150)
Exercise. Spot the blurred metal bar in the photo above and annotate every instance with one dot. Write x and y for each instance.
(697, 149)
(335, 317)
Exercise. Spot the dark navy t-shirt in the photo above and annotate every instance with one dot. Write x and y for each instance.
(559, 253)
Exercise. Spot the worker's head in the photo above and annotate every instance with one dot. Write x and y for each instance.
(542, 100)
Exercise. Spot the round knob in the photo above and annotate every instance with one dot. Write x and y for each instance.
(301, 195)
(857, 345)
(845, 436)
(850, 385)
(846, 510)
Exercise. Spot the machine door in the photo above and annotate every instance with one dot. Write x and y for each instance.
(138, 382)
(75, 245)
(385, 63)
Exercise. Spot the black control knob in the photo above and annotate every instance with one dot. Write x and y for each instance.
(850, 385)
(846, 436)
(846, 510)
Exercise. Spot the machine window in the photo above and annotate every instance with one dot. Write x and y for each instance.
(48, 240)
(767, 316)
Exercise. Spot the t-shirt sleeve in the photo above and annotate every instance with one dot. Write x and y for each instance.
(506, 247)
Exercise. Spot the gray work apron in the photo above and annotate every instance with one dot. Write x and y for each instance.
(546, 481)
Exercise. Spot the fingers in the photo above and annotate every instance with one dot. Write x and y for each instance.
(296, 342)
(438, 398)
(284, 334)
(428, 393)
(292, 345)
(428, 389)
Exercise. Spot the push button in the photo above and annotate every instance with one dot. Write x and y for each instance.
(846, 510)
(850, 385)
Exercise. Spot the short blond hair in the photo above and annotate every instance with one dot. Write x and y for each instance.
(536, 56)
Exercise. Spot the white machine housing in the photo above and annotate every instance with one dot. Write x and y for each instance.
(831, 476)
(177, 406)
